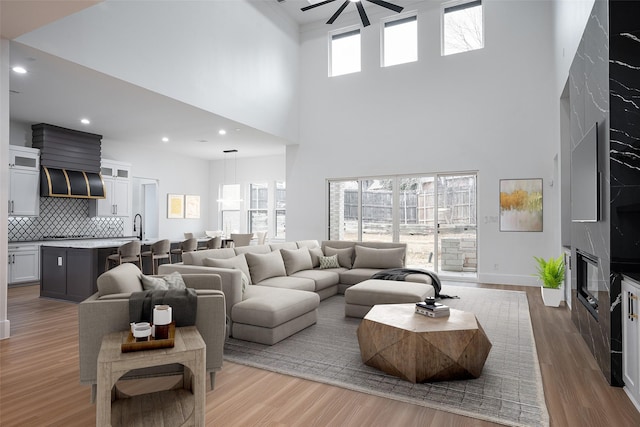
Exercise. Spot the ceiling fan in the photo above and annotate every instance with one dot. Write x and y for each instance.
(363, 14)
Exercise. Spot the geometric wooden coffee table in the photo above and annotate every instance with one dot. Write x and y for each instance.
(417, 348)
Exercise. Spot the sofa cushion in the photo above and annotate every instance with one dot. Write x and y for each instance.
(254, 249)
(378, 258)
(308, 244)
(344, 255)
(265, 266)
(296, 260)
(315, 253)
(357, 275)
(198, 257)
(284, 245)
(289, 282)
(329, 262)
(372, 292)
(124, 278)
(323, 278)
(170, 281)
(238, 262)
(269, 307)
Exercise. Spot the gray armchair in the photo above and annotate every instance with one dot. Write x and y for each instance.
(107, 311)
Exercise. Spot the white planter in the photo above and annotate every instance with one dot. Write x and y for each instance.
(552, 297)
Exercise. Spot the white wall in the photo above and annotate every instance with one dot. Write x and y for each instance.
(237, 59)
(4, 178)
(492, 110)
(176, 175)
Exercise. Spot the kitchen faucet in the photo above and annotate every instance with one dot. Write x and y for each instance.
(134, 225)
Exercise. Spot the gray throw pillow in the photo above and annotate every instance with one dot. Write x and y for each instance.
(378, 258)
(296, 260)
(238, 262)
(344, 255)
(170, 281)
(265, 266)
(315, 253)
(329, 262)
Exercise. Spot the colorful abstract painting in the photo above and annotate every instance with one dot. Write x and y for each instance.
(521, 204)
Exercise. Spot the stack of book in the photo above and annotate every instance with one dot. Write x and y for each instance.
(432, 310)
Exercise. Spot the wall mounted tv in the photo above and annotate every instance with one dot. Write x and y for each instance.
(585, 178)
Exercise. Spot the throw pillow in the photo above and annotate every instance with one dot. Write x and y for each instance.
(315, 253)
(344, 255)
(378, 258)
(170, 281)
(238, 262)
(296, 260)
(265, 266)
(329, 262)
(245, 282)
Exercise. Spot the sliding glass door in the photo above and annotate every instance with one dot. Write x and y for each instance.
(435, 215)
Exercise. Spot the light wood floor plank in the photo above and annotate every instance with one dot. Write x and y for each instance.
(39, 380)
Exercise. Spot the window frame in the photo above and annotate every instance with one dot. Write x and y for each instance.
(459, 4)
(392, 19)
(253, 210)
(337, 34)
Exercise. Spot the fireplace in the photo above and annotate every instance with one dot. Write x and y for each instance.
(588, 285)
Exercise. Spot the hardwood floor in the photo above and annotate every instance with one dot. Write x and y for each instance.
(39, 382)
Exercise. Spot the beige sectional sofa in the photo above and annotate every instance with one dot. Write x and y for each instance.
(273, 291)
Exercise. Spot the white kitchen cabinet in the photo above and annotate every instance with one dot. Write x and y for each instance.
(631, 339)
(24, 263)
(24, 180)
(117, 187)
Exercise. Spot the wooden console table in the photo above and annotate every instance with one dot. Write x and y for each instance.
(170, 407)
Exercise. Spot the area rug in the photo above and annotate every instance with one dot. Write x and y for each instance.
(509, 391)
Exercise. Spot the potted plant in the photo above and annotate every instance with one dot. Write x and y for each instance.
(551, 274)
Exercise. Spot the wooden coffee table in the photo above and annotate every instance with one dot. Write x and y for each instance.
(170, 407)
(417, 348)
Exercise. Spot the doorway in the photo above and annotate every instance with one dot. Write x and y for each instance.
(145, 202)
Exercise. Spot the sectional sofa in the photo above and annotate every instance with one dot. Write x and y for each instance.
(273, 291)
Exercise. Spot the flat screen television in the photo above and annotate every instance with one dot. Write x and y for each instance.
(585, 178)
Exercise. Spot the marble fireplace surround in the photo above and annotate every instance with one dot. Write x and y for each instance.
(604, 87)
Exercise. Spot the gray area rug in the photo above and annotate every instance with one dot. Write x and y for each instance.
(509, 391)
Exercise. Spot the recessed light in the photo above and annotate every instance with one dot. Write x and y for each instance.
(85, 121)
(222, 132)
(19, 69)
(165, 139)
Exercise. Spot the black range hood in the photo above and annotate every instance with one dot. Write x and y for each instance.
(70, 162)
(69, 183)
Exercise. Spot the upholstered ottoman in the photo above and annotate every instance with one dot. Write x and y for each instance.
(361, 297)
(267, 315)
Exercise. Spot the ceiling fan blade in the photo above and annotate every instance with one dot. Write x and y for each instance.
(388, 5)
(338, 12)
(317, 4)
(363, 14)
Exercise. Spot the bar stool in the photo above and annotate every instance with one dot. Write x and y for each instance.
(213, 243)
(159, 250)
(241, 239)
(188, 245)
(129, 252)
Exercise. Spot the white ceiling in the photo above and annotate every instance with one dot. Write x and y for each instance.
(59, 92)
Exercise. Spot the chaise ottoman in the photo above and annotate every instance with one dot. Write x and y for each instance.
(267, 315)
(361, 297)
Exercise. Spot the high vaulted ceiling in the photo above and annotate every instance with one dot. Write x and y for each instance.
(59, 92)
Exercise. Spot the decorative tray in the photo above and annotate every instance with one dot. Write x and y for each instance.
(130, 344)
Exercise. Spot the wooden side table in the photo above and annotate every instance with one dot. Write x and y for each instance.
(171, 407)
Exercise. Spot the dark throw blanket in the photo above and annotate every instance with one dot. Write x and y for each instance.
(402, 273)
(183, 302)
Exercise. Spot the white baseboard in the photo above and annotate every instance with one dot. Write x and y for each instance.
(631, 398)
(5, 329)
(508, 279)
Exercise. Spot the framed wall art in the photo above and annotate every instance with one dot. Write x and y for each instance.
(191, 206)
(521, 204)
(175, 206)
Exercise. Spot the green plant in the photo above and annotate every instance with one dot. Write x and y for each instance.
(550, 272)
